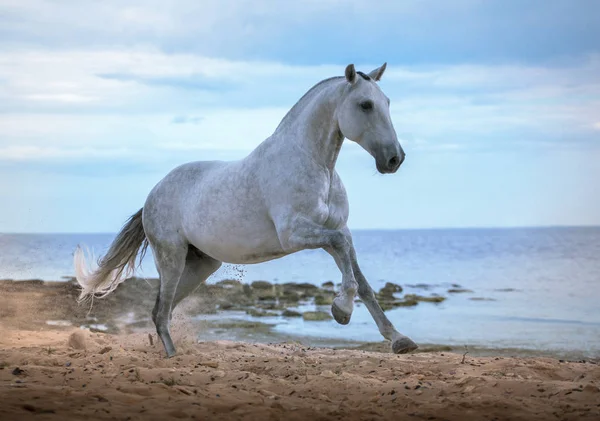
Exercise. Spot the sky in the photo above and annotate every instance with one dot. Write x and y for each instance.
(496, 103)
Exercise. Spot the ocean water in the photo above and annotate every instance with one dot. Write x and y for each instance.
(544, 283)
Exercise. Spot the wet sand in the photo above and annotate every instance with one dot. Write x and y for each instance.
(53, 372)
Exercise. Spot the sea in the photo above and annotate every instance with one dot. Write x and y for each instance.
(534, 289)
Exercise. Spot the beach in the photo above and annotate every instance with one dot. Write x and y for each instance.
(529, 289)
(54, 370)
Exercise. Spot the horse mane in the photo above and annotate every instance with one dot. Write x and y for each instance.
(308, 95)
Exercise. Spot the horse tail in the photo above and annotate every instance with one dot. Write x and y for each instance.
(117, 265)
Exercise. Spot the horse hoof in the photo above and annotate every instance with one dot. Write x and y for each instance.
(340, 315)
(403, 345)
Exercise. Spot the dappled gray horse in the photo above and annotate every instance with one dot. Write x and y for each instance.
(282, 198)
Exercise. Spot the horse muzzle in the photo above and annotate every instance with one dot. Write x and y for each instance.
(390, 163)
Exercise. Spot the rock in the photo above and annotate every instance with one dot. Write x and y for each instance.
(105, 350)
(230, 284)
(266, 295)
(261, 285)
(481, 299)
(77, 340)
(316, 316)
(289, 296)
(291, 313)
(420, 286)
(389, 286)
(263, 290)
(18, 371)
(387, 292)
(303, 289)
(269, 305)
(459, 290)
(432, 299)
(260, 313)
(226, 306)
(323, 300)
(307, 287)
(405, 303)
(388, 304)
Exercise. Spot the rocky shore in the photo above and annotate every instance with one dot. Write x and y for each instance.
(128, 307)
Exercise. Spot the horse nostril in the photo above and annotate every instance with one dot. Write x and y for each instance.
(394, 162)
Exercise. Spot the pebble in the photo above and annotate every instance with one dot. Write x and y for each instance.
(77, 340)
(17, 371)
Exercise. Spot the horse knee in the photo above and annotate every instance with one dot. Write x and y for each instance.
(339, 241)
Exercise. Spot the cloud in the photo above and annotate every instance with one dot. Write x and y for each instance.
(29, 153)
(146, 81)
(56, 104)
(181, 119)
(66, 97)
(412, 31)
(188, 82)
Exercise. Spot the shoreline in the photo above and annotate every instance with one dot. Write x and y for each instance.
(227, 310)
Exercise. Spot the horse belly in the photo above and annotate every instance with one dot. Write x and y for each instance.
(241, 240)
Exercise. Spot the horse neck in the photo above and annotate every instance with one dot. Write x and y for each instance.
(314, 128)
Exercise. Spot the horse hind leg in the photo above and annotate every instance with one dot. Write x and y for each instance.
(170, 261)
(198, 267)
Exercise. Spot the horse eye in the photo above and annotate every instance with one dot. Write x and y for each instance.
(366, 105)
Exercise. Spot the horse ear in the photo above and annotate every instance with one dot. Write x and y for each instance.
(377, 73)
(350, 73)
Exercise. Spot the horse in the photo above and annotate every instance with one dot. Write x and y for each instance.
(285, 196)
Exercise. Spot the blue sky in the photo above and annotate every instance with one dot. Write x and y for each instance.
(497, 104)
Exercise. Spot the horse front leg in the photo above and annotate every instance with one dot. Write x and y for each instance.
(305, 234)
(401, 344)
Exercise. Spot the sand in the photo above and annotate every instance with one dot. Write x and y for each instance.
(54, 372)
(77, 374)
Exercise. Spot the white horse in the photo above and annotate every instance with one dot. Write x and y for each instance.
(282, 198)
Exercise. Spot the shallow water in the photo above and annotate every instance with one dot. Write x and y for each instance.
(544, 283)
